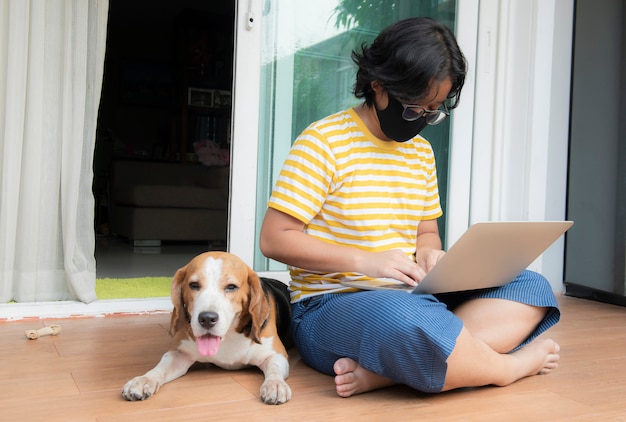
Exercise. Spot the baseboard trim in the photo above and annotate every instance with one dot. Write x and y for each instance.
(75, 309)
(585, 292)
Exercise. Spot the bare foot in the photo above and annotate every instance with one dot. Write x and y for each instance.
(473, 363)
(353, 379)
(539, 357)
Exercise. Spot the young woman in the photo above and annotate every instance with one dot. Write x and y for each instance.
(357, 198)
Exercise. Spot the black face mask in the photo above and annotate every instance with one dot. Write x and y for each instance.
(394, 126)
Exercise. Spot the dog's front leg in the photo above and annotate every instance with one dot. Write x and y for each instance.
(274, 389)
(173, 364)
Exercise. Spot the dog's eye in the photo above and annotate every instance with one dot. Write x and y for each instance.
(194, 285)
(231, 288)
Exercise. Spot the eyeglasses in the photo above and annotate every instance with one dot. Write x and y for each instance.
(413, 112)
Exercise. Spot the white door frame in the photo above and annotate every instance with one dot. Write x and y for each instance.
(245, 131)
(521, 117)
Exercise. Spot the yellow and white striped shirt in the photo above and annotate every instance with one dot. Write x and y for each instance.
(350, 188)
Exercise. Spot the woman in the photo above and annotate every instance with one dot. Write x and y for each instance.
(357, 198)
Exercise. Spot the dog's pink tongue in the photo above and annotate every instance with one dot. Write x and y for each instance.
(208, 344)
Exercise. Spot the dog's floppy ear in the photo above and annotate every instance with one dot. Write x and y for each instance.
(179, 313)
(258, 308)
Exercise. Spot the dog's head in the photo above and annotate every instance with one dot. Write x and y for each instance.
(214, 293)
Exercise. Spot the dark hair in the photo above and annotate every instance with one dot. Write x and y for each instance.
(406, 56)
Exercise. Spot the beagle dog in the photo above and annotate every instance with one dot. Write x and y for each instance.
(224, 314)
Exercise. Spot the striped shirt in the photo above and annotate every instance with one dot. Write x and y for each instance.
(350, 188)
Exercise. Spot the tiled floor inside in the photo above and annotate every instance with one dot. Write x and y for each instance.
(117, 258)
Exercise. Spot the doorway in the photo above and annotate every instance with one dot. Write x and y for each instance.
(161, 165)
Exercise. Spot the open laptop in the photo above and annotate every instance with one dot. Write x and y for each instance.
(489, 254)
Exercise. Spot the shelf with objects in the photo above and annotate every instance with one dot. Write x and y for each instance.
(204, 58)
(206, 127)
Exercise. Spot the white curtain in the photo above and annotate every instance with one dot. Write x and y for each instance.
(51, 68)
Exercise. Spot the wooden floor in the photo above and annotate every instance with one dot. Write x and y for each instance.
(78, 376)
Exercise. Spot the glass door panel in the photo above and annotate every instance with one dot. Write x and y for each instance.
(307, 73)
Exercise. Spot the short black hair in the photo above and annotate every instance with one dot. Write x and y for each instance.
(406, 57)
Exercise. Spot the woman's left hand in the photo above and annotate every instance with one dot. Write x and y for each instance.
(427, 258)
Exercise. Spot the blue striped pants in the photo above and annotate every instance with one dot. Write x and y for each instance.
(404, 337)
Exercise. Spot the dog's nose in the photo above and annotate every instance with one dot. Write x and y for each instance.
(208, 319)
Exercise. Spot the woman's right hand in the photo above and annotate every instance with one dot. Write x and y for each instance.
(282, 238)
(390, 264)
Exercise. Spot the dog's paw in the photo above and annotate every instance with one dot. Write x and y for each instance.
(275, 392)
(139, 388)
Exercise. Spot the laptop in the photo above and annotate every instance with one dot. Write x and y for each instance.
(489, 254)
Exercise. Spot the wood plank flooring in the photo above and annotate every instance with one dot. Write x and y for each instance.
(78, 376)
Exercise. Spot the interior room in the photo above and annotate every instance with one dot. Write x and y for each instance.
(161, 166)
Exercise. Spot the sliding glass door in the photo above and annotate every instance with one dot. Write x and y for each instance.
(306, 72)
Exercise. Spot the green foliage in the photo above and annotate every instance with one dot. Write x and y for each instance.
(377, 14)
(352, 13)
